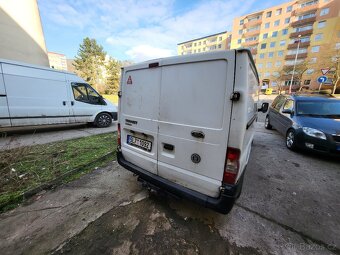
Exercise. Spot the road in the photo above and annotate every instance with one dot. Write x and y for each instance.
(24, 137)
(289, 205)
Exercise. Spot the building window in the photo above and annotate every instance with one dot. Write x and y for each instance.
(266, 74)
(306, 16)
(265, 36)
(337, 46)
(276, 23)
(272, 44)
(278, 12)
(220, 38)
(324, 11)
(289, 8)
(287, 20)
(199, 44)
(270, 54)
(263, 45)
(318, 37)
(278, 63)
(306, 82)
(239, 41)
(269, 64)
(267, 25)
(309, 3)
(261, 55)
(259, 65)
(241, 22)
(269, 14)
(285, 31)
(305, 28)
(315, 49)
(310, 71)
(194, 44)
(220, 46)
(280, 53)
(199, 50)
(240, 32)
(282, 43)
(274, 34)
(322, 24)
(204, 42)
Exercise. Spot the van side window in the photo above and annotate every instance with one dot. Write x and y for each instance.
(84, 93)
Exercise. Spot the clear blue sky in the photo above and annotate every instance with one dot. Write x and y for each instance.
(138, 29)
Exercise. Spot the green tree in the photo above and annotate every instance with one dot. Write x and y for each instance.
(112, 76)
(89, 62)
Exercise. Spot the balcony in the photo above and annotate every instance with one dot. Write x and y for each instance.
(302, 22)
(252, 23)
(251, 33)
(294, 45)
(302, 33)
(251, 43)
(299, 56)
(310, 8)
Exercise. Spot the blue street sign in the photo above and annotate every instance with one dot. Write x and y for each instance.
(322, 79)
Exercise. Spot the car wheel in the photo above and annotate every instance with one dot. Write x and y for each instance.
(267, 123)
(103, 120)
(290, 140)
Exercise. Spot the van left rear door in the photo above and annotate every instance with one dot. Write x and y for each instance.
(4, 113)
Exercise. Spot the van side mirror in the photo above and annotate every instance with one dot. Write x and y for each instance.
(264, 107)
(288, 111)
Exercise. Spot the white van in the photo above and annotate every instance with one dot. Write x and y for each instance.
(186, 124)
(33, 95)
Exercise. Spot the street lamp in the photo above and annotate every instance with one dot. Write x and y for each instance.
(297, 52)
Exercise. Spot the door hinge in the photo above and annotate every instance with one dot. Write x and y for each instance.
(119, 93)
(235, 96)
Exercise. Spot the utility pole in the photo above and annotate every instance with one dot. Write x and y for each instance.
(297, 52)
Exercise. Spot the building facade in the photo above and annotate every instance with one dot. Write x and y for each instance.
(220, 41)
(22, 37)
(57, 61)
(274, 34)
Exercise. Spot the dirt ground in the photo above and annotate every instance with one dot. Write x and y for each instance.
(289, 205)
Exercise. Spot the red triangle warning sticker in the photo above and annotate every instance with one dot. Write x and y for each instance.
(129, 80)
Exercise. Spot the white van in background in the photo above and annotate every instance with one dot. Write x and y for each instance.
(186, 124)
(33, 95)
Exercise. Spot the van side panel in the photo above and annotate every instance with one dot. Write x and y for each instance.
(35, 96)
(244, 112)
(139, 108)
(4, 113)
(195, 97)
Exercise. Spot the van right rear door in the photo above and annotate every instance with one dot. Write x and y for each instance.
(194, 118)
(139, 109)
(4, 113)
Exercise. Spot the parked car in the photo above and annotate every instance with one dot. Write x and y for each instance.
(186, 124)
(33, 95)
(307, 121)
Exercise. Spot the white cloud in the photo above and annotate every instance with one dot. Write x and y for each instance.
(140, 29)
(146, 52)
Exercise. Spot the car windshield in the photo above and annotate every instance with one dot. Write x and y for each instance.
(330, 109)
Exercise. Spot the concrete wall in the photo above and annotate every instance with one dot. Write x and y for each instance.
(22, 36)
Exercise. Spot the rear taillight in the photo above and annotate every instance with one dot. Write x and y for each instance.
(118, 136)
(232, 165)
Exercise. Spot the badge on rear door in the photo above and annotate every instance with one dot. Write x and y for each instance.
(195, 158)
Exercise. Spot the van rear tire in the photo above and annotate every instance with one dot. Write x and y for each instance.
(103, 120)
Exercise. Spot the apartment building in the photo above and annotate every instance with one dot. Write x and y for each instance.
(273, 35)
(220, 41)
(57, 61)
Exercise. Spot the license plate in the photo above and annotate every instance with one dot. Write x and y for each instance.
(139, 143)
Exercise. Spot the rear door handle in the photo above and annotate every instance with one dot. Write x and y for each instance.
(72, 102)
(169, 147)
(64, 102)
(197, 134)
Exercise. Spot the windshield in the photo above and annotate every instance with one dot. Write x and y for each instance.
(329, 109)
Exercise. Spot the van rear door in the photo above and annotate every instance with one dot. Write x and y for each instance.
(4, 113)
(139, 109)
(194, 118)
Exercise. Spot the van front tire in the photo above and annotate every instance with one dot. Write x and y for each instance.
(103, 120)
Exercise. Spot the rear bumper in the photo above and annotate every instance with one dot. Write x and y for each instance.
(222, 204)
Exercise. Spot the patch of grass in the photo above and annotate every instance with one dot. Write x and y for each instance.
(25, 168)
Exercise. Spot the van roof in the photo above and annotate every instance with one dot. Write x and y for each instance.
(190, 58)
(17, 63)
